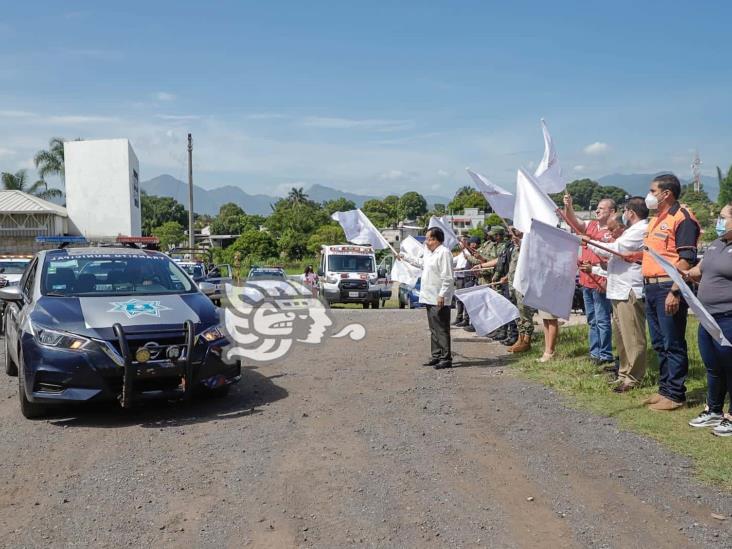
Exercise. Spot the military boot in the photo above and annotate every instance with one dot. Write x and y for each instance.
(511, 335)
(522, 345)
(498, 334)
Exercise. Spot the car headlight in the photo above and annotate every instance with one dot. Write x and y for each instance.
(330, 279)
(61, 340)
(213, 333)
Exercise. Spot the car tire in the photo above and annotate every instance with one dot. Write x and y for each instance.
(401, 304)
(10, 367)
(365, 304)
(30, 410)
(375, 304)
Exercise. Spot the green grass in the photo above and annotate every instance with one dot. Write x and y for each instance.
(573, 374)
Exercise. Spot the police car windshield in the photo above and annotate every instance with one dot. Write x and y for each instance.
(97, 275)
(195, 271)
(351, 264)
(12, 267)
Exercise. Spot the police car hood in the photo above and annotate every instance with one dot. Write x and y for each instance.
(95, 316)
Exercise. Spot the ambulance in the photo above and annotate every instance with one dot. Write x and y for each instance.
(348, 274)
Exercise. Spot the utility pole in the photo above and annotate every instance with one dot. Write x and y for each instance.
(191, 239)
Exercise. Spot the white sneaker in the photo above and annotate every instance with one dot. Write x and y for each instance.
(724, 429)
(706, 419)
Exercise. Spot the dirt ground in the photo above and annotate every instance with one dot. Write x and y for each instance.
(351, 444)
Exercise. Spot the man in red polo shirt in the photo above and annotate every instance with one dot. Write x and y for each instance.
(597, 305)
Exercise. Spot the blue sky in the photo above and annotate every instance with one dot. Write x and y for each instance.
(371, 97)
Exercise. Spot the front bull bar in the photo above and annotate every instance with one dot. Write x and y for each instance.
(131, 365)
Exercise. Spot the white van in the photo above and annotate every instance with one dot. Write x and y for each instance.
(348, 274)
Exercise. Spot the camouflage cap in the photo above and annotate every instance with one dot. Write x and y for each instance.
(497, 229)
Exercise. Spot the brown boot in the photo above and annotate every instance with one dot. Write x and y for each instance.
(665, 405)
(522, 345)
(653, 399)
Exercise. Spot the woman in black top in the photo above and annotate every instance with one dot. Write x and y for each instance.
(714, 274)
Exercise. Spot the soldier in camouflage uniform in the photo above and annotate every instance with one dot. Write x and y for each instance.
(525, 322)
(508, 333)
(485, 252)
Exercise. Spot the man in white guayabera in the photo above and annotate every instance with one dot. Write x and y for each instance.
(436, 291)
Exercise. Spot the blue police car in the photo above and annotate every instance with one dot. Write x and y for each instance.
(87, 324)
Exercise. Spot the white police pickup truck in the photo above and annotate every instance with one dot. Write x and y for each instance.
(348, 274)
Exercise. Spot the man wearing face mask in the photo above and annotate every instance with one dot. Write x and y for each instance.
(714, 274)
(673, 234)
(625, 292)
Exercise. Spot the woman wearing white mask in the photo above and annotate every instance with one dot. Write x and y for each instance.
(714, 274)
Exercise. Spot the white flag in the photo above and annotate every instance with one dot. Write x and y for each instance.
(706, 320)
(549, 172)
(404, 273)
(412, 246)
(520, 277)
(359, 229)
(499, 198)
(532, 203)
(441, 223)
(550, 270)
(487, 308)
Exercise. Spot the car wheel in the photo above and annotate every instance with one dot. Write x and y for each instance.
(365, 304)
(30, 410)
(10, 368)
(401, 304)
(375, 304)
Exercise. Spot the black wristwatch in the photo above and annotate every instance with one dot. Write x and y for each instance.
(676, 293)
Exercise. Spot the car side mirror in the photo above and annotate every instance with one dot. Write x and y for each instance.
(381, 273)
(11, 293)
(320, 272)
(206, 287)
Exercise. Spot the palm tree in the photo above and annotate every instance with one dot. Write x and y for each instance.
(18, 182)
(297, 196)
(51, 161)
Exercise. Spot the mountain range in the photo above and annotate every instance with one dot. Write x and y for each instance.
(208, 201)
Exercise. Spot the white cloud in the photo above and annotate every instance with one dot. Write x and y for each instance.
(443, 173)
(6, 152)
(266, 116)
(350, 123)
(435, 187)
(178, 117)
(164, 96)
(17, 114)
(579, 168)
(392, 175)
(80, 119)
(596, 148)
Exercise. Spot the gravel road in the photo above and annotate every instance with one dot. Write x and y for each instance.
(351, 444)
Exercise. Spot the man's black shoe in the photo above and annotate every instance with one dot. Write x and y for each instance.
(431, 362)
(461, 324)
(509, 341)
(443, 364)
(457, 321)
(469, 328)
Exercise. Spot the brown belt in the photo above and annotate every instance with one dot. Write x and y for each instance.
(656, 279)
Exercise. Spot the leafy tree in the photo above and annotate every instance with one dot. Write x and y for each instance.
(492, 220)
(468, 197)
(292, 223)
(412, 205)
(586, 193)
(610, 191)
(439, 209)
(51, 161)
(379, 212)
(229, 209)
(157, 210)
(725, 189)
(170, 234)
(325, 236)
(292, 244)
(18, 181)
(701, 206)
(297, 195)
(340, 204)
(236, 224)
(252, 245)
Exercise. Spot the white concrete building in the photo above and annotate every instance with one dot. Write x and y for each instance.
(102, 188)
(470, 219)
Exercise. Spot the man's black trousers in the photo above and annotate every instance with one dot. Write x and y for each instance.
(438, 319)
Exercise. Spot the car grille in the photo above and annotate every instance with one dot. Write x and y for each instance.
(354, 285)
(135, 341)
